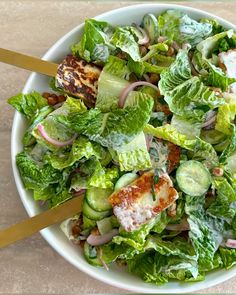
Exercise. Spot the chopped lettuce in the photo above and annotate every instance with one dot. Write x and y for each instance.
(134, 155)
(190, 129)
(225, 116)
(103, 177)
(94, 44)
(28, 104)
(181, 28)
(186, 96)
(111, 83)
(206, 232)
(125, 41)
(224, 205)
(55, 129)
(82, 148)
(209, 45)
(217, 78)
(228, 257)
(115, 128)
(36, 174)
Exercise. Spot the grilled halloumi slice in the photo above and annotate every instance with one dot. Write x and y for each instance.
(78, 78)
(134, 204)
(228, 64)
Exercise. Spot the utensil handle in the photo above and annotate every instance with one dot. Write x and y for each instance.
(34, 224)
(27, 62)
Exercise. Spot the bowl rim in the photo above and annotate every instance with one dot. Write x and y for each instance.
(46, 233)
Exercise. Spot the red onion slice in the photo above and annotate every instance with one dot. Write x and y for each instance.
(183, 226)
(210, 119)
(52, 140)
(149, 139)
(129, 88)
(97, 240)
(230, 243)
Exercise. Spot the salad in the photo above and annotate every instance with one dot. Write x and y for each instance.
(140, 123)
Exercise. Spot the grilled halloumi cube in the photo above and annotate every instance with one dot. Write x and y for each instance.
(78, 78)
(134, 204)
(228, 64)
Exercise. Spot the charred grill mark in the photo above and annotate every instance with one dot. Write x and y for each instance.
(79, 79)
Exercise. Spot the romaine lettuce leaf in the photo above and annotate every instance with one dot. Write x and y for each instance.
(55, 129)
(223, 206)
(134, 155)
(207, 46)
(177, 247)
(115, 128)
(176, 74)
(225, 115)
(217, 78)
(190, 129)
(111, 83)
(206, 232)
(228, 257)
(103, 177)
(155, 268)
(94, 44)
(28, 138)
(124, 40)
(181, 28)
(36, 175)
(81, 148)
(28, 104)
(59, 198)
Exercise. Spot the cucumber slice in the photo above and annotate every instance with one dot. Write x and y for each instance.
(97, 198)
(90, 255)
(125, 180)
(150, 24)
(193, 178)
(212, 136)
(88, 223)
(92, 214)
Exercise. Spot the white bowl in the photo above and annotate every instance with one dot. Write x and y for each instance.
(117, 276)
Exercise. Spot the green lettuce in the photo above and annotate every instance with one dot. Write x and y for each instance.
(28, 104)
(209, 45)
(222, 206)
(36, 174)
(225, 116)
(186, 127)
(82, 148)
(115, 128)
(228, 257)
(176, 74)
(103, 177)
(217, 78)
(134, 155)
(111, 83)
(124, 40)
(55, 129)
(94, 44)
(28, 138)
(186, 96)
(153, 267)
(181, 28)
(206, 232)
